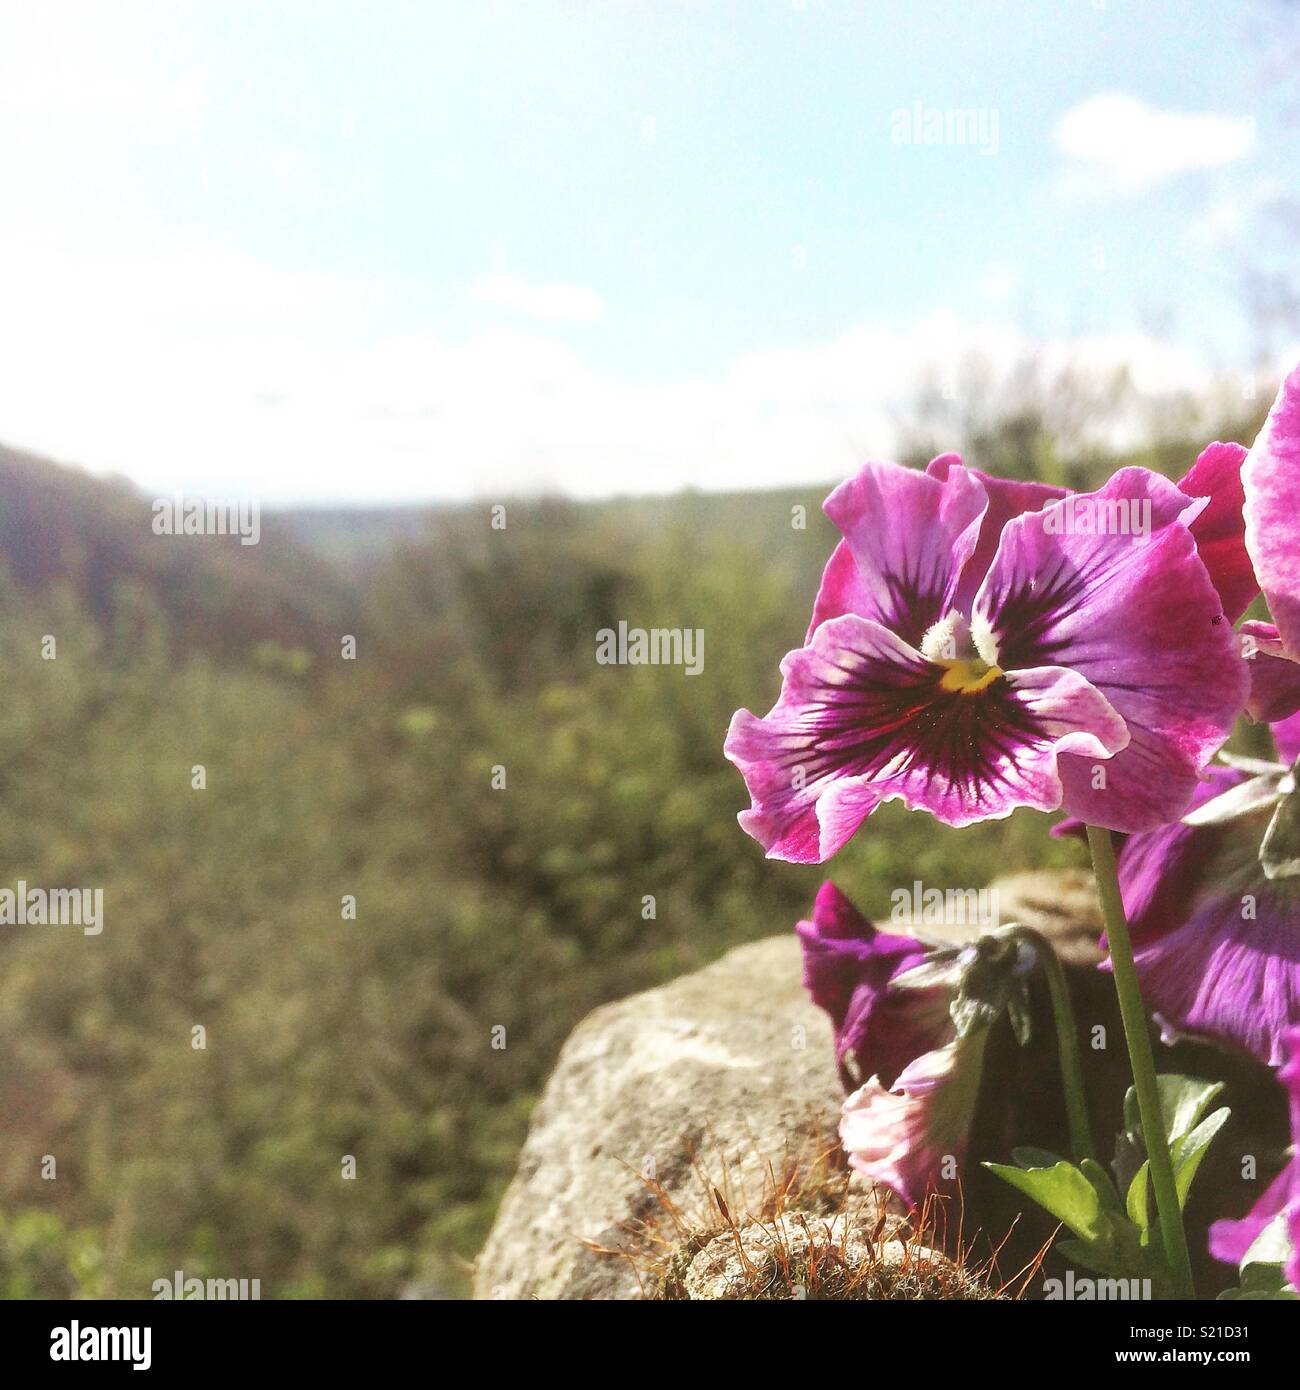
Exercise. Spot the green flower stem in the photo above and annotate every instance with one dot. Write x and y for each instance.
(1067, 1042)
(1134, 1014)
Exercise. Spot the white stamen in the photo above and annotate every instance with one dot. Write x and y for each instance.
(981, 631)
(944, 639)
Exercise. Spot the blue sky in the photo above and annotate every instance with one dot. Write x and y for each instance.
(406, 251)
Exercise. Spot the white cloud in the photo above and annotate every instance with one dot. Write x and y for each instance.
(204, 371)
(548, 303)
(1119, 145)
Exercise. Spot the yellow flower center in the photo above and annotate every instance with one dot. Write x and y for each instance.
(968, 676)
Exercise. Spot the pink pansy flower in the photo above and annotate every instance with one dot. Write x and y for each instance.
(1270, 479)
(1249, 538)
(979, 645)
(1271, 483)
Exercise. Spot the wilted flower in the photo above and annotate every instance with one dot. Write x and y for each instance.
(912, 1136)
(847, 967)
(913, 1020)
(979, 645)
(1231, 1241)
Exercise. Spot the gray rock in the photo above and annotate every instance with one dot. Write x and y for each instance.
(730, 1066)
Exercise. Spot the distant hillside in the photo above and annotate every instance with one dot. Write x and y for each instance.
(316, 569)
(362, 540)
(357, 539)
(61, 525)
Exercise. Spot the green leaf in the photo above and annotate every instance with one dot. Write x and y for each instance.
(1085, 1200)
(1124, 1259)
(1183, 1100)
(1101, 1181)
(1139, 1198)
(1098, 1258)
(1191, 1148)
(1026, 1156)
(1064, 1191)
(1266, 1278)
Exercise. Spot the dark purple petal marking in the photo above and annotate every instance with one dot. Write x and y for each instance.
(909, 536)
(1135, 612)
(864, 718)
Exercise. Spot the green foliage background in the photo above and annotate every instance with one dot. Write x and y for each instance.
(518, 908)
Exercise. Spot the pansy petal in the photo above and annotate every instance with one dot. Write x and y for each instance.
(1133, 610)
(909, 535)
(864, 718)
(1159, 870)
(908, 1136)
(1286, 738)
(1229, 1240)
(1235, 982)
(988, 754)
(1274, 677)
(1289, 1076)
(842, 951)
(1271, 475)
(842, 590)
(1220, 531)
(848, 966)
(1007, 498)
(1217, 944)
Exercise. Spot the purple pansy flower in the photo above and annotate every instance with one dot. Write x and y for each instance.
(1219, 531)
(1249, 538)
(1214, 906)
(1231, 1240)
(1214, 901)
(978, 645)
(1270, 479)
